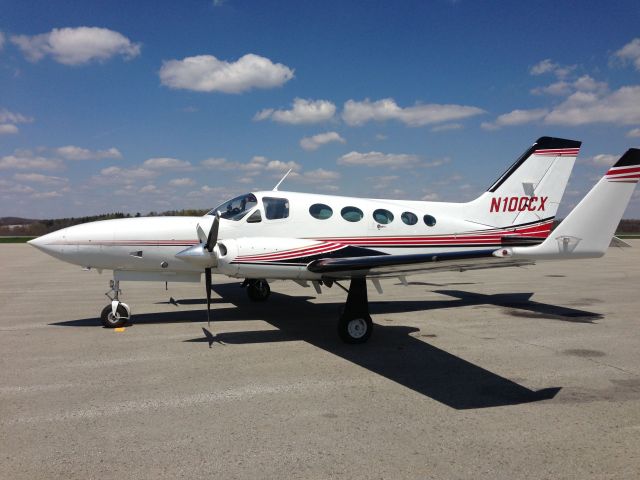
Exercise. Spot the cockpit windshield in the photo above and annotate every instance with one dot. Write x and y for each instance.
(236, 208)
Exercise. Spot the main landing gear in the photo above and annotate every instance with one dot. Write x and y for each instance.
(355, 325)
(257, 289)
(117, 313)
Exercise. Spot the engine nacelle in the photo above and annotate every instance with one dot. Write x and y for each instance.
(267, 257)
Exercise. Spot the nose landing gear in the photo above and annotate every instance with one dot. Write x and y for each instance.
(117, 313)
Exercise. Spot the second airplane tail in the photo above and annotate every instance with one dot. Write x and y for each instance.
(588, 229)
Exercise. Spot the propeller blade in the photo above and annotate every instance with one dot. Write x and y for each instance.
(201, 235)
(207, 279)
(212, 239)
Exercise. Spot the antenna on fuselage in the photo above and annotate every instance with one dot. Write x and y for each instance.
(275, 189)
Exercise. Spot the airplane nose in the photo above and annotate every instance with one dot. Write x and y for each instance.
(50, 243)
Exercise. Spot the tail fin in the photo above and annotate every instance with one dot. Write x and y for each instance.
(588, 229)
(531, 189)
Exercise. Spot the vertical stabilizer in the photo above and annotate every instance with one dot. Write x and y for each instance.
(530, 191)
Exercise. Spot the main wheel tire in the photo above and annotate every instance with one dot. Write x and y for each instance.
(355, 330)
(258, 290)
(109, 320)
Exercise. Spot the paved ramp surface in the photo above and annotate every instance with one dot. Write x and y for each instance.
(507, 374)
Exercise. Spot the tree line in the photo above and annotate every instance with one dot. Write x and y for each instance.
(12, 226)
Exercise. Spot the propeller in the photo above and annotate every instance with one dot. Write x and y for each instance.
(212, 239)
(201, 254)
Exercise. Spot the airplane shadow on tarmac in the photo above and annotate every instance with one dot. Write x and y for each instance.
(392, 351)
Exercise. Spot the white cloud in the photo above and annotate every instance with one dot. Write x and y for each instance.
(630, 53)
(212, 193)
(119, 175)
(316, 141)
(8, 187)
(39, 178)
(8, 121)
(255, 166)
(45, 195)
(76, 46)
(215, 162)
(205, 73)
(561, 88)
(516, 117)
(27, 160)
(1, 40)
(10, 117)
(619, 107)
(319, 175)
(547, 66)
(280, 166)
(358, 113)
(634, 133)
(8, 129)
(602, 160)
(181, 182)
(378, 159)
(149, 189)
(447, 127)
(166, 163)
(381, 182)
(303, 111)
(431, 197)
(544, 66)
(71, 152)
(438, 162)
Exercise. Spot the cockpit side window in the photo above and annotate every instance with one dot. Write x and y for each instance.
(275, 208)
(236, 208)
(255, 217)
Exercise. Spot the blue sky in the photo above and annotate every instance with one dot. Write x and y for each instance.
(139, 106)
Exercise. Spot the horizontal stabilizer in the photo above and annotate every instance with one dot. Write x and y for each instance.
(618, 242)
(588, 229)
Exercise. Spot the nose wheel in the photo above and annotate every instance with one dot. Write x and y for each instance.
(119, 318)
(117, 313)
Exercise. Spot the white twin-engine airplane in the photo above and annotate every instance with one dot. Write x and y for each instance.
(325, 239)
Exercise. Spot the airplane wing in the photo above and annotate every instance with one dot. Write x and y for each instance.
(394, 265)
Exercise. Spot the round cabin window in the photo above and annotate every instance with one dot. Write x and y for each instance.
(351, 214)
(429, 220)
(383, 216)
(320, 211)
(409, 218)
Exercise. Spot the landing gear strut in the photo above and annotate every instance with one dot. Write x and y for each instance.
(355, 325)
(117, 313)
(257, 289)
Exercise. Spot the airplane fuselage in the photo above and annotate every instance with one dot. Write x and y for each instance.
(272, 244)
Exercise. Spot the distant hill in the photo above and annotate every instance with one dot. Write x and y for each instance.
(16, 221)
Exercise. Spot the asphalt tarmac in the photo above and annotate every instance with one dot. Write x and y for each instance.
(500, 374)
